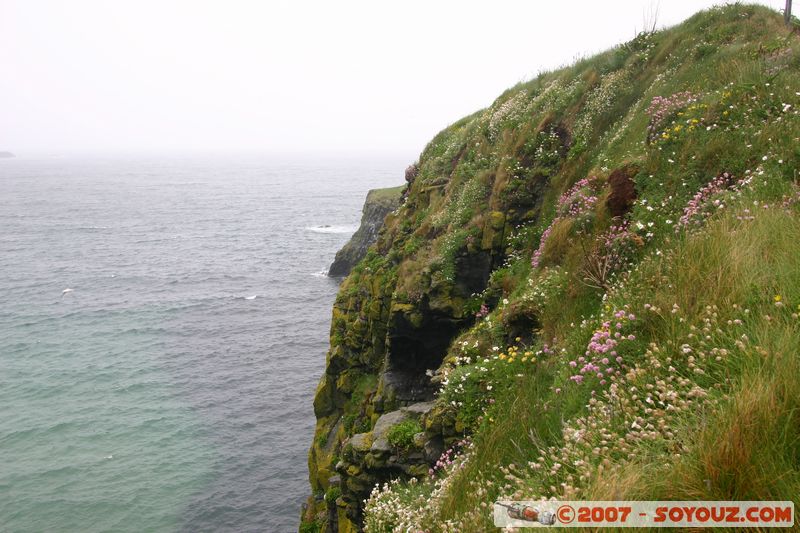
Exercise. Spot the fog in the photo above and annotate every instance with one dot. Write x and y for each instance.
(282, 77)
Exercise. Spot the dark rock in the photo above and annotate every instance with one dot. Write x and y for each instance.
(472, 271)
(520, 321)
(418, 345)
(379, 203)
(411, 173)
(434, 448)
(623, 190)
(404, 387)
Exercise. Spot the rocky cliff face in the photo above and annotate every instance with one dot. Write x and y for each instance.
(397, 313)
(517, 245)
(379, 203)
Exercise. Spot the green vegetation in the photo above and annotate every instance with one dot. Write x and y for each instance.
(388, 194)
(331, 494)
(310, 527)
(645, 352)
(402, 434)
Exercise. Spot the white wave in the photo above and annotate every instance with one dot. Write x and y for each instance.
(253, 297)
(332, 229)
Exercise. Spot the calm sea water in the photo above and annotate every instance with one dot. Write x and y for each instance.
(171, 389)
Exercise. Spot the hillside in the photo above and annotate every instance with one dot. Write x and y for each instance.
(590, 291)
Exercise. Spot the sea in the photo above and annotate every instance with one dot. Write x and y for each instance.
(163, 325)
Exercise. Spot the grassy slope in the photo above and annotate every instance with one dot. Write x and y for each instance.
(705, 405)
(389, 194)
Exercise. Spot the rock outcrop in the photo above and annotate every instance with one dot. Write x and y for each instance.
(398, 312)
(379, 203)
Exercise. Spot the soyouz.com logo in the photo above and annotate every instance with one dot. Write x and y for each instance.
(643, 514)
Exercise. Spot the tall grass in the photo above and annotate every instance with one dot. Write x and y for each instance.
(711, 308)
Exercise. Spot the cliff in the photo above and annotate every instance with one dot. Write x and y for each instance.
(379, 203)
(590, 291)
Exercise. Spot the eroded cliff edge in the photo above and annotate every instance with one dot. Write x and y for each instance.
(379, 203)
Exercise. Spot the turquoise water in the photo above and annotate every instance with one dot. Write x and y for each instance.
(171, 389)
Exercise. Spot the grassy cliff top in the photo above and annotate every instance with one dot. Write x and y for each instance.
(613, 247)
(388, 194)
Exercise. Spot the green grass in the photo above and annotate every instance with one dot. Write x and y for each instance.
(385, 195)
(708, 404)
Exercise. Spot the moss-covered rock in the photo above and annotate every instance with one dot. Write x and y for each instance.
(378, 204)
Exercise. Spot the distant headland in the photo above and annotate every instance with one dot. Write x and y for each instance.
(6, 155)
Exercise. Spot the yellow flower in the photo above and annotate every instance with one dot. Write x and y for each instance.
(518, 339)
(777, 298)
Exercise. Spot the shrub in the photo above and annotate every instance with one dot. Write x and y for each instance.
(332, 494)
(310, 527)
(402, 435)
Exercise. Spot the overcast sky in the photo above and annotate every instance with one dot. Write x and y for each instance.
(299, 77)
